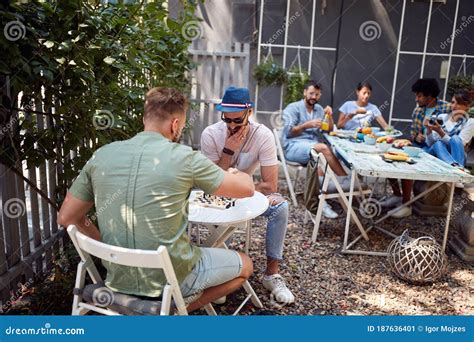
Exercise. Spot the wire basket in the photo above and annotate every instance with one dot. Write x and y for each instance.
(417, 259)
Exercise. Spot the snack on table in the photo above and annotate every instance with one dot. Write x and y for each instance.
(399, 143)
(397, 156)
(387, 139)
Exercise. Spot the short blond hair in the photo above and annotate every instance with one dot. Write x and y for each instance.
(162, 103)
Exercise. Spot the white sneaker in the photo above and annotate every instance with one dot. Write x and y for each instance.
(392, 201)
(220, 301)
(402, 212)
(344, 181)
(328, 212)
(279, 292)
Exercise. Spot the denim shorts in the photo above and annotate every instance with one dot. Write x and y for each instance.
(299, 150)
(216, 266)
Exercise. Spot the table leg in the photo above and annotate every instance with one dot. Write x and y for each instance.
(218, 235)
(248, 236)
(349, 209)
(434, 186)
(217, 239)
(448, 216)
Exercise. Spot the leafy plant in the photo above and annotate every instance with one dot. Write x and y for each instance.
(295, 85)
(460, 82)
(269, 73)
(93, 62)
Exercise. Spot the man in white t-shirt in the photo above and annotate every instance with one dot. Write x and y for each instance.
(237, 142)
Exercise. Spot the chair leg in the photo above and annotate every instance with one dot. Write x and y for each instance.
(290, 185)
(166, 301)
(297, 177)
(79, 284)
(210, 310)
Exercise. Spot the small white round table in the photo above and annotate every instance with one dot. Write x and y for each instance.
(222, 223)
(244, 210)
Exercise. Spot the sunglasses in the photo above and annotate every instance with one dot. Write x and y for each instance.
(237, 121)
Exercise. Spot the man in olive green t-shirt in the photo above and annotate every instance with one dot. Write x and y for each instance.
(140, 188)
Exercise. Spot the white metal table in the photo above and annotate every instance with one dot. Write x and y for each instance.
(222, 223)
(365, 160)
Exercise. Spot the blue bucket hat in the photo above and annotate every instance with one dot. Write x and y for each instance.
(235, 100)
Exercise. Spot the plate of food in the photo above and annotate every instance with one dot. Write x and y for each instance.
(340, 133)
(397, 156)
(401, 143)
(389, 133)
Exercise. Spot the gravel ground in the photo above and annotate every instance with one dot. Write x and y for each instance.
(326, 282)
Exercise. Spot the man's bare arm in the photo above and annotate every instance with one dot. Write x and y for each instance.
(73, 211)
(269, 183)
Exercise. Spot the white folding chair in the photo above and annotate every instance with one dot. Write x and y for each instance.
(287, 164)
(99, 298)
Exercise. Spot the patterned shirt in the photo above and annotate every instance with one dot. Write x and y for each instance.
(418, 116)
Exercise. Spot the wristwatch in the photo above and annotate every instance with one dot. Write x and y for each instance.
(227, 151)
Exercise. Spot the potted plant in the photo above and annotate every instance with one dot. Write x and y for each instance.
(460, 82)
(269, 73)
(295, 84)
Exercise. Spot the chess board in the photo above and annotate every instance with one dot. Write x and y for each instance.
(211, 201)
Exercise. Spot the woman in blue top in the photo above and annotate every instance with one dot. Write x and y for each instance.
(360, 113)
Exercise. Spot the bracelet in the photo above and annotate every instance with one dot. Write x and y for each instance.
(227, 151)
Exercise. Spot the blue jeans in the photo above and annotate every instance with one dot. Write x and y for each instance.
(450, 153)
(277, 224)
(298, 150)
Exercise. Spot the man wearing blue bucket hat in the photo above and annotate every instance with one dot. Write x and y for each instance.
(237, 142)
